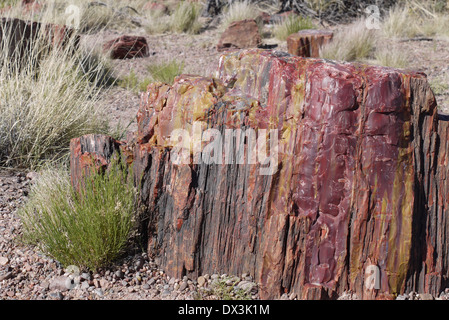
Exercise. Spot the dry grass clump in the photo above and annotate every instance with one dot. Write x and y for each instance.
(185, 18)
(49, 96)
(157, 22)
(355, 43)
(390, 58)
(414, 18)
(292, 24)
(239, 10)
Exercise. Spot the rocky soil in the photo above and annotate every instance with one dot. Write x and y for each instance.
(25, 273)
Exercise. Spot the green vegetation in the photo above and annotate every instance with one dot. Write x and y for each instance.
(88, 229)
(224, 289)
(166, 71)
(132, 82)
(226, 292)
(439, 86)
(5, 3)
(290, 25)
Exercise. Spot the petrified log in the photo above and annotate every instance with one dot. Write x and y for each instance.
(240, 35)
(316, 172)
(127, 47)
(20, 38)
(87, 152)
(307, 43)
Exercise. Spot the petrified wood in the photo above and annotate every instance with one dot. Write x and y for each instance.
(240, 35)
(356, 179)
(21, 38)
(307, 43)
(127, 47)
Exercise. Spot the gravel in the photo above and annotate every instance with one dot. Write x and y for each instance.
(27, 274)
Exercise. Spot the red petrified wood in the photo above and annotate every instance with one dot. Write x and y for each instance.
(127, 47)
(307, 43)
(20, 37)
(240, 35)
(358, 179)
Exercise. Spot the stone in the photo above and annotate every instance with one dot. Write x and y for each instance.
(239, 35)
(183, 286)
(86, 155)
(201, 281)
(99, 292)
(56, 295)
(84, 285)
(250, 287)
(352, 182)
(45, 285)
(127, 47)
(6, 276)
(307, 43)
(86, 276)
(104, 283)
(119, 274)
(151, 281)
(425, 296)
(62, 284)
(138, 263)
(4, 261)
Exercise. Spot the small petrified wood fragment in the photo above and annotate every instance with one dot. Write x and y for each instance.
(240, 35)
(307, 43)
(127, 47)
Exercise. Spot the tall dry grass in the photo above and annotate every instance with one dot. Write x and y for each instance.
(48, 96)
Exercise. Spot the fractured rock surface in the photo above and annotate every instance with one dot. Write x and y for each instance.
(351, 181)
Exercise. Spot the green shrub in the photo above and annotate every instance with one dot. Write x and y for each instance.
(87, 229)
(165, 71)
(292, 24)
(132, 82)
(223, 291)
